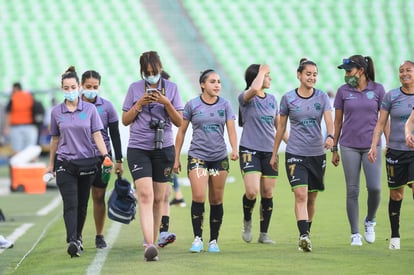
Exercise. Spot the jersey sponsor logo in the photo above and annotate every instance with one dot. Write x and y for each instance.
(308, 122)
(211, 128)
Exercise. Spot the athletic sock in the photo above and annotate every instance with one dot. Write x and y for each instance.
(216, 218)
(248, 206)
(165, 223)
(266, 209)
(197, 218)
(394, 208)
(303, 227)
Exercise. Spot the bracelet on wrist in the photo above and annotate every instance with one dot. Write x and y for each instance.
(334, 149)
(330, 136)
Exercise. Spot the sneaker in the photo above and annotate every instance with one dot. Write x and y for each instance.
(369, 234)
(356, 239)
(100, 241)
(80, 243)
(264, 238)
(166, 238)
(213, 247)
(74, 249)
(394, 244)
(4, 244)
(151, 253)
(178, 202)
(197, 245)
(247, 231)
(305, 243)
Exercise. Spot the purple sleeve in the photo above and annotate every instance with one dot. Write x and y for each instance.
(96, 122)
(338, 103)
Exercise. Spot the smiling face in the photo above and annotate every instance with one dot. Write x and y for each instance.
(308, 76)
(211, 85)
(407, 73)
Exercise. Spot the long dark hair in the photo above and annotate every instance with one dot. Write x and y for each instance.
(249, 76)
(365, 62)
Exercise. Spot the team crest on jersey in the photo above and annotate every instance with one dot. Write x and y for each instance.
(317, 106)
(370, 95)
(220, 113)
(83, 116)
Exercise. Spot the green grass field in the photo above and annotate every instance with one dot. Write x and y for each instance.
(42, 249)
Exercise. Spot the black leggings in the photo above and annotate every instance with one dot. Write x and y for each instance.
(75, 192)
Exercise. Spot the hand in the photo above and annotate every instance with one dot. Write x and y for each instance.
(335, 158)
(328, 143)
(119, 169)
(372, 154)
(177, 167)
(234, 155)
(274, 162)
(409, 140)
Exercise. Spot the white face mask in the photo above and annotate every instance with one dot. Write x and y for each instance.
(71, 96)
(90, 94)
(152, 79)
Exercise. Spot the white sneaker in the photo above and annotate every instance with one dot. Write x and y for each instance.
(264, 238)
(4, 244)
(247, 231)
(369, 234)
(356, 239)
(394, 244)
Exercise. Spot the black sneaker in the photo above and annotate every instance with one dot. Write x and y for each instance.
(178, 202)
(100, 242)
(74, 249)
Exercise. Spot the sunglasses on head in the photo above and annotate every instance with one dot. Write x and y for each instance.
(348, 61)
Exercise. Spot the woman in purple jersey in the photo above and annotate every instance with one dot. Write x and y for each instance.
(397, 105)
(208, 163)
(305, 151)
(357, 104)
(151, 106)
(258, 114)
(74, 124)
(91, 81)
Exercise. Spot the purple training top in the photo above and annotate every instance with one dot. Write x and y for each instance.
(141, 136)
(108, 114)
(75, 130)
(360, 110)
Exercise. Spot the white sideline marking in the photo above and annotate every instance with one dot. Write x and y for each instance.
(17, 233)
(96, 266)
(38, 239)
(48, 208)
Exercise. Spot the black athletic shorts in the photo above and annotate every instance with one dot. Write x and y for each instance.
(252, 161)
(306, 171)
(400, 168)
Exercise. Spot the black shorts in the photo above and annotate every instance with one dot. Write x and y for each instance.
(256, 161)
(400, 168)
(157, 164)
(211, 167)
(306, 171)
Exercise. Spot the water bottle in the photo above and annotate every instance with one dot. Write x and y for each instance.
(106, 170)
(48, 177)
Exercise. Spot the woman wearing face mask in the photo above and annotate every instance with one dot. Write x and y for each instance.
(74, 124)
(91, 81)
(357, 104)
(151, 106)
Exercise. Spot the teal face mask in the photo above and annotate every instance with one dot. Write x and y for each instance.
(152, 79)
(90, 94)
(352, 80)
(71, 96)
